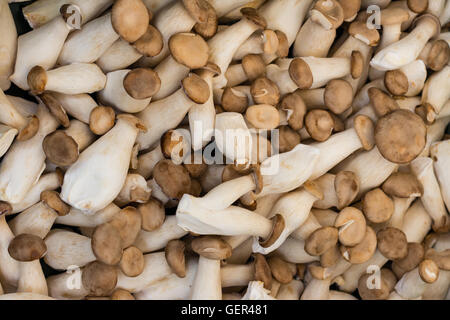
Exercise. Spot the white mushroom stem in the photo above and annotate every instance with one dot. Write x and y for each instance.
(313, 40)
(317, 290)
(308, 227)
(326, 184)
(406, 50)
(9, 114)
(77, 218)
(224, 7)
(431, 199)
(440, 153)
(416, 73)
(338, 295)
(81, 133)
(362, 97)
(207, 283)
(171, 73)
(9, 268)
(25, 107)
(435, 93)
(159, 194)
(438, 290)
(253, 45)
(435, 133)
(24, 296)
(147, 161)
(256, 291)
(401, 206)
(149, 241)
(119, 55)
(290, 291)
(282, 78)
(67, 285)
(293, 250)
(32, 278)
(444, 17)
(436, 7)
(242, 252)
(155, 270)
(7, 135)
(78, 106)
(135, 189)
(107, 160)
(17, 176)
(234, 275)
(8, 45)
(37, 220)
(40, 47)
(411, 285)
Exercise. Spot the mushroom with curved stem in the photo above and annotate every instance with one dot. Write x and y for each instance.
(8, 45)
(9, 268)
(75, 78)
(28, 249)
(16, 176)
(406, 50)
(128, 19)
(407, 81)
(39, 47)
(77, 218)
(434, 96)
(134, 189)
(414, 283)
(130, 90)
(440, 154)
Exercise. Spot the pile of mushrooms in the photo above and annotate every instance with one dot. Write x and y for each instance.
(212, 149)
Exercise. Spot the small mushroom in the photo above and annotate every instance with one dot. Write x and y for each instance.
(377, 206)
(392, 243)
(321, 240)
(352, 226)
(99, 279)
(211, 247)
(363, 251)
(152, 214)
(403, 185)
(175, 257)
(107, 244)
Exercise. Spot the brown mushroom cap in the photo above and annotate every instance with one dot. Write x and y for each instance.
(296, 109)
(393, 15)
(321, 240)
(234, 101)
(60, 148)
(357, 64)
(280, 270)
(254, 66)
(173, 179)
(300, 73)
(30, 130)
(367, 287)
(152, 214)
(37, 79)
(196, 88)
(270, 41)
(142, 83)
(128, 222)
(175, 257)
(262, 271)
(400, 136)
(442, 258)
(381, 102)
(132, 263)
(5, 208)
(53, 200)
(365, 129)
(330, 257)
(189, 49)
(392, 243)
(172, 144)
(283, 44)
(151, 43)
(439, 55)
(265, 91)
(396, 82)
(363, 251)
(360, 31)
(377, 206)
(27, 247)
(198, 9)
(121, 294)
(346, 185)
(211, 247)
(263, 116)
(428, 271)
(278, 224)
(350, 7)
(338, 95)
(55, 108)
(403, 185)
(196, 188)
(196, 170)
(253, 15)
(319, 124)
(208, 28)
(100, 279)
(352, 226)
(107, 244)
(130, 19)
(416, 253)
(417, 6)
(229, 173)
(101, 120)
(288, 139)
(330, 10)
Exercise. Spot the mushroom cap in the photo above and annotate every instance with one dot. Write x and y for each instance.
(37, 79)
(319, 124)
(417, 6)
(172, 144)
(270, 41)
(338, 95)
(107, 244)
(152, 214)
(394, 15)
(350, 7)
(99, 278)
(30, 130)
(196, 88)
(368, 290)
(363, 251)
(196, 170)
(265, 91)
(296, 109)
(211, 247)
(403, 185)
(5, 208)
(130, 19)
(416, 253)
(196, 188)
(365, 130)
(254, 66)
(142, 83)
(263, 116)
(428, 271)
(346, 185)
(300, 73)
(198, 9)
(377, 206)
(175, 257)
(121, 294)
(381, 102)
(132, 263)
(392, 243)
(288, 139)
(234, 101)
(400, 136)
(280, 270)
(27, 247)
(439, 55)
(262, 271)
(151, 43)
(442, 258)
(396, 82)
(357, 64)
(360, 31)
(352, 226)
(330, 257)
(173, 179)
(208, 28)
(55, 108)
(128, 222)
(321, 240)
(283, 44)
(278, 224)
(253, 15)
(189, 49)
(101, 120)
(60, 148)
(328, 13)
(53, 201)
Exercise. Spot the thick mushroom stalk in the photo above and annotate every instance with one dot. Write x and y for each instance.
(256, 291)
(107, 160)
(207, 282)
(440, 153)
(406, 50)
(434, 94)
(407, 81)
(9, 268)
(414, 283)
(8, 45)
